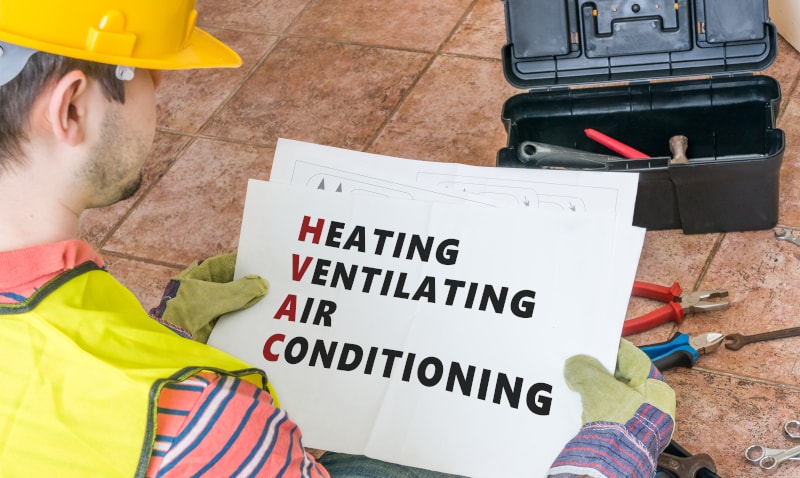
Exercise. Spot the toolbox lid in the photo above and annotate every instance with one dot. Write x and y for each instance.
(560, 43)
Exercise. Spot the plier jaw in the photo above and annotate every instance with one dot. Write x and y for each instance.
(707, 342)
(698, 301)
(678, 304)
(681, 350)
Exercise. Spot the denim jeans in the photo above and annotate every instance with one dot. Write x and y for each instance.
(341, 465)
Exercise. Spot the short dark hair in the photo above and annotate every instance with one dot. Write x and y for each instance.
(18, 95)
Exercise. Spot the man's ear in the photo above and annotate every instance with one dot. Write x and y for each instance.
(67, 107)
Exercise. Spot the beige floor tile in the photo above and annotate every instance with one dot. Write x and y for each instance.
(96, 224)
(723, 415)
(412, 24)
(146, 281)
(196, 209)
(785, 68)
(188, 98)
(453, 114)
(483, 32)
(263, 16)
(760, 274)
(668, 257)
(322, 92)
(789, 122)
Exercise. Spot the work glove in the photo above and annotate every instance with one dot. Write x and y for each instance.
(628, 417)
(194, 299)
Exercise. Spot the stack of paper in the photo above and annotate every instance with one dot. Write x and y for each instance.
(421, 312)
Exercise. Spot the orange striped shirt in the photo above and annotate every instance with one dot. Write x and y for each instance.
(209, 424)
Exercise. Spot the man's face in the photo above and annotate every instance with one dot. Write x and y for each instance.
(114, 170)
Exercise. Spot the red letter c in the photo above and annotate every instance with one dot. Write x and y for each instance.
(272, 357)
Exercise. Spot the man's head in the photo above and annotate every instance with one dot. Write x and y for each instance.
(18, 94)
(79, 78)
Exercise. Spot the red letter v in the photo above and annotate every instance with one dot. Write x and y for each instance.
(299, 271)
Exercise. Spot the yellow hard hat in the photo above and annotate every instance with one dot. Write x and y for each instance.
(154, 34)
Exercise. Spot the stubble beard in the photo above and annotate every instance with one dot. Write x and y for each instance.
(109, 169)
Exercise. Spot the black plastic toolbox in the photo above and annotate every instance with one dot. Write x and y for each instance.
(611, 65)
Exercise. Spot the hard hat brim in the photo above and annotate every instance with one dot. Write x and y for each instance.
(203, 51)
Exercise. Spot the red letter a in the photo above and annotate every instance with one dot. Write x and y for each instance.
(288, 308)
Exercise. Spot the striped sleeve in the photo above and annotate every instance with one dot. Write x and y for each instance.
(611, 450)
(217, 425)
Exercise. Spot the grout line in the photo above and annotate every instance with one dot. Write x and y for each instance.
(297, 17)
(401, 101)
(198, 136)
(760, 381)
(155, 262)
(704, 270)
(237, 88)
(144, 192)
(284, 35)
(467, 12)
(785, 101)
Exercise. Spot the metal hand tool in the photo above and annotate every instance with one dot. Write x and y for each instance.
(686, 466)
(769, 458)
(737, 341)
(792, 429)
(786, 235)
(542, 155)
(682, 350)
(679, 303)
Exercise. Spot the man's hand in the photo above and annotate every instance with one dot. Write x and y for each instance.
(628, 417)
(195, 298)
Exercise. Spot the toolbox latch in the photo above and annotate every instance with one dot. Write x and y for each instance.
(632, 27)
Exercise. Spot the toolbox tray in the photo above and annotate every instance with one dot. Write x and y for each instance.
(586, 75)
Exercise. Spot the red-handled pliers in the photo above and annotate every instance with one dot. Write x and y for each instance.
(678, 304)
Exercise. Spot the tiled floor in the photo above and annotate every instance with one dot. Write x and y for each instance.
(424, 80)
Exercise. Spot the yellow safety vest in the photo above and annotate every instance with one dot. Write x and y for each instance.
(83, 365)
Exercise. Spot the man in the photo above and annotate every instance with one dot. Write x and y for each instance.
(92, 386)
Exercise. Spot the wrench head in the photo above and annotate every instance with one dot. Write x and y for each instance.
(734, 341)
(686, 466)
(786, 235)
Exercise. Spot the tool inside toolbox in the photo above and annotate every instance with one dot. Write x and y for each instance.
(643, 72)
(724, 119)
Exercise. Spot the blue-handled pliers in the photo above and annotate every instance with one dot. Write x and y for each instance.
(682, 350)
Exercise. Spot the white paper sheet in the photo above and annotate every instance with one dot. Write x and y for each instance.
(593, 192)
(573, 262)
(336, 169)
